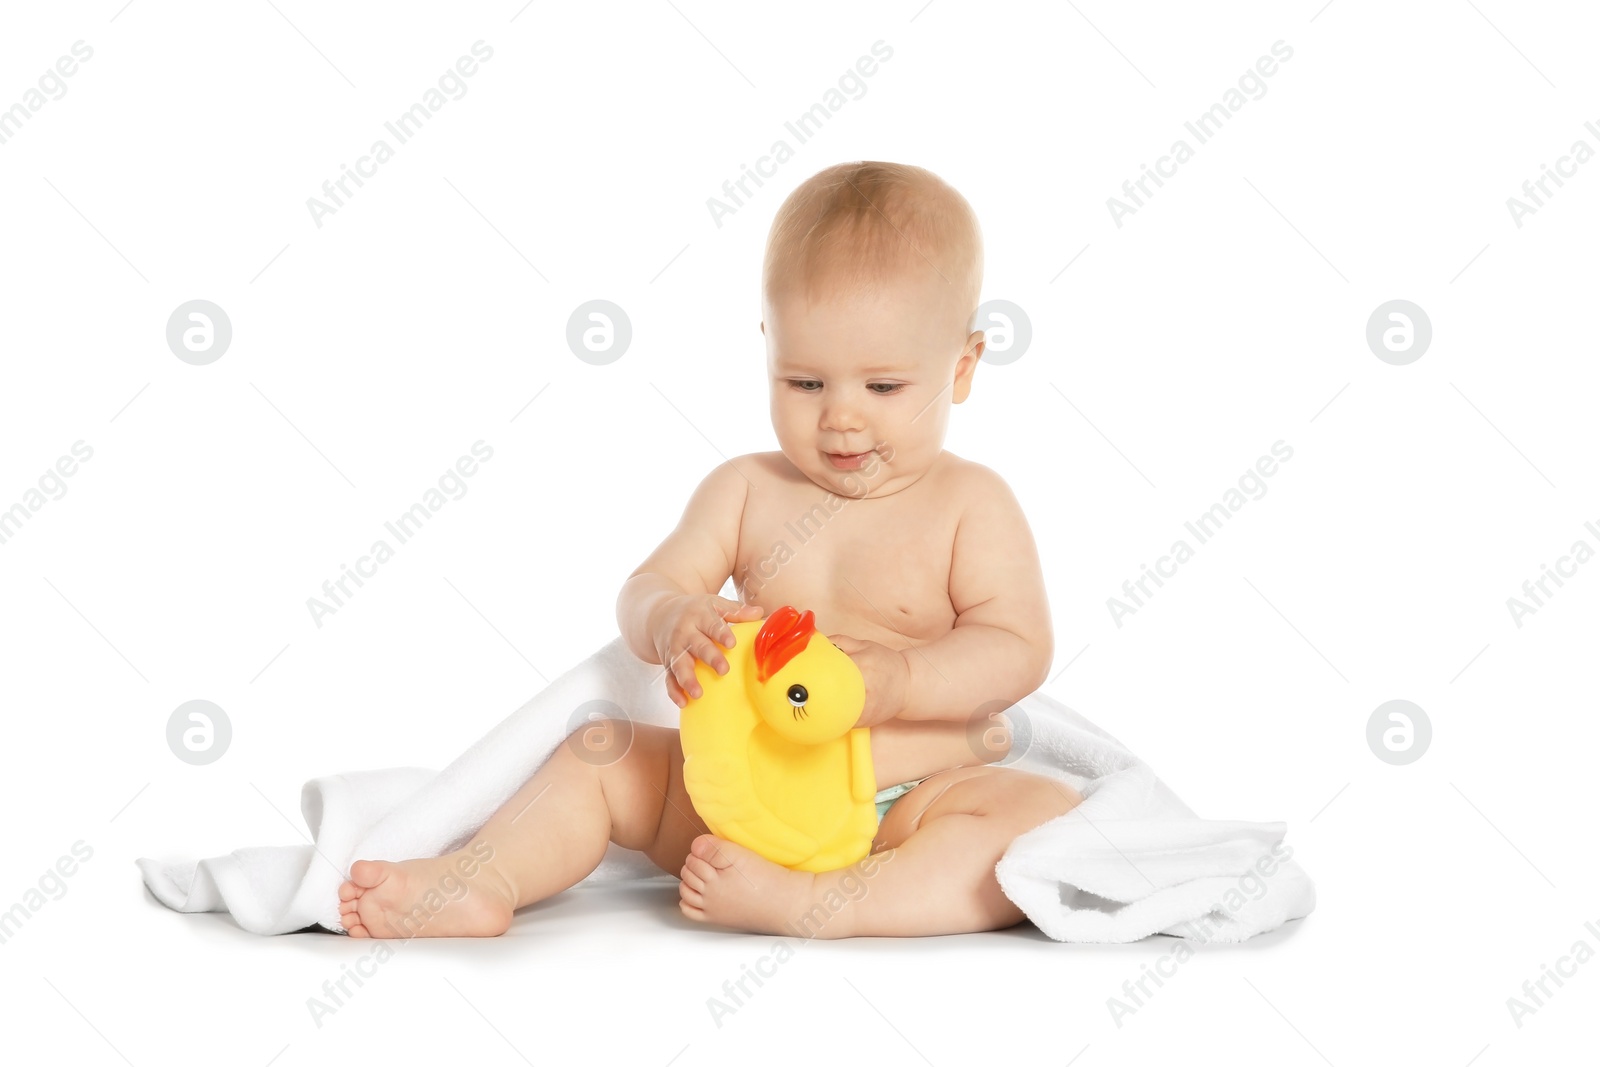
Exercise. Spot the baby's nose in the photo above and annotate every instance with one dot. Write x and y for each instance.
(842, 420)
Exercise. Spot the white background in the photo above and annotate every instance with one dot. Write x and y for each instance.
(369, 353)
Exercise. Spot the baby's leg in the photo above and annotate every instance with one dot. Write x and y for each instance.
(612, 780)
(945, 844)
(931, 870)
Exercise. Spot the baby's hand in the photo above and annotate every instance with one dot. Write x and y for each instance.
(887, 675)
(695, 626)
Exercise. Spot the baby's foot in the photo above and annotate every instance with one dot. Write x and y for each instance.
(730, 885)
(423, 898)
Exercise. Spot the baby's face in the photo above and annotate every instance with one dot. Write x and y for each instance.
(868, 374)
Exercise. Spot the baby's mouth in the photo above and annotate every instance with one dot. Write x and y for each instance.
(847, 461)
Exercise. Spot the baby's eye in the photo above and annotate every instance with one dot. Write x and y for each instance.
(802, 386)
(888, 387)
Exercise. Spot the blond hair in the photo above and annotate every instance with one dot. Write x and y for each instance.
(853, 224)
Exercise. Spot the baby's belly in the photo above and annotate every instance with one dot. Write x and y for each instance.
(881, 617)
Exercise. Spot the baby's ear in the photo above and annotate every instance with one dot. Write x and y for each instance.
(977, 343)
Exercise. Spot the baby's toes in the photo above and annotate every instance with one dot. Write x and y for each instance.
(707, 849)
(349, 905)
(697, 872)
(366, 874)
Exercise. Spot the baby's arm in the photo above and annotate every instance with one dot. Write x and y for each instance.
(998, 651)
(1001, 645)
(695, 559)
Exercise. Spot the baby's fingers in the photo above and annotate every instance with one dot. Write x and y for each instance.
(722, 634)
(682, 672)
(727, 609)
(675, 691)
(710, 653)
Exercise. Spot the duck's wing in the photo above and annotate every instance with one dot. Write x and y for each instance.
(863, 779)
(721, 788)
(723, 792)
(774, 839)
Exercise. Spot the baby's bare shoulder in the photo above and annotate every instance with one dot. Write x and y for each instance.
(765, 466)
(995, 573)
(991, 523)
(973, 483)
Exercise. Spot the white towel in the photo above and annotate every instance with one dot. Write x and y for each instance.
(1128, 862)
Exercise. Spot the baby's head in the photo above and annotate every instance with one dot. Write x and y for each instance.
(869, 287)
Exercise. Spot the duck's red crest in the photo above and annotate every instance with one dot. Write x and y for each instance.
(782, 637)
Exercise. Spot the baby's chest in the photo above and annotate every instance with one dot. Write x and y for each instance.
(859, 578)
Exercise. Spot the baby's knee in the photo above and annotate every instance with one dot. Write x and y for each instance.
(1051, 798)
(603, 742)
(1023, 800)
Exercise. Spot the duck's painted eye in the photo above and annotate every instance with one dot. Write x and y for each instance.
(798, 695)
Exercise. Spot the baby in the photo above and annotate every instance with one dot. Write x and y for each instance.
(918, 564)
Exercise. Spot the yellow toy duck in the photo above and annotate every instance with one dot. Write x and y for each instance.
(772, 758)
